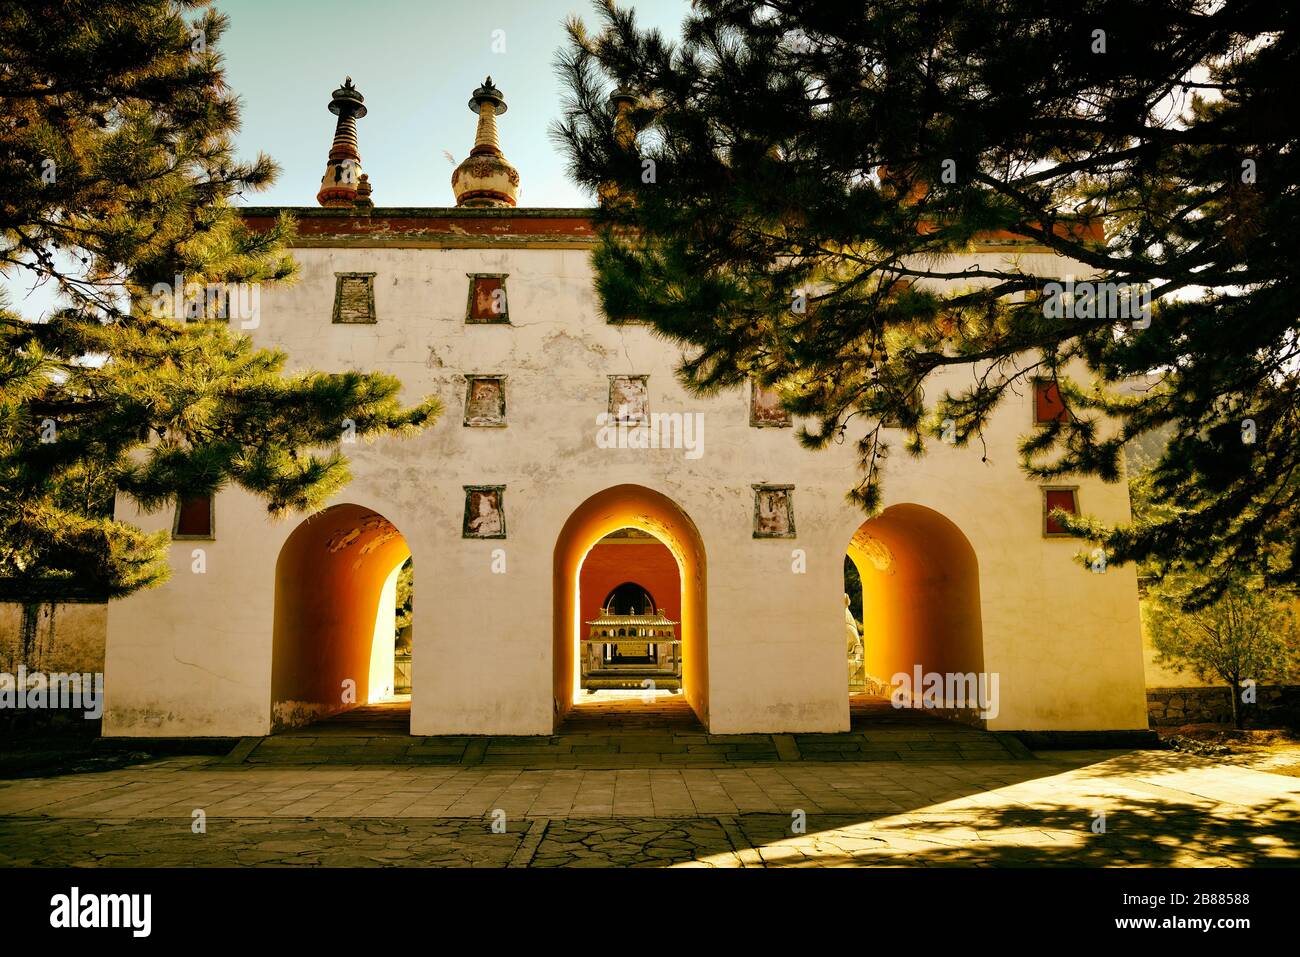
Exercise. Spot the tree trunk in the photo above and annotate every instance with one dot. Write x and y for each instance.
(1236, 704)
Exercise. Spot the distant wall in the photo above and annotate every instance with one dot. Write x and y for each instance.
(1170, 707)
(650, 565)
(53, 637)
(1160, 676)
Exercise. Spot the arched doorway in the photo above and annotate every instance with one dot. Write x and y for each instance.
(651, 513)
(628, 614)
(628, 598)
(919, 595)
(336, 615)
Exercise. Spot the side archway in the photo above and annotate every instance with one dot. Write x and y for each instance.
(335, 605)
(631, 506)
(920, 595)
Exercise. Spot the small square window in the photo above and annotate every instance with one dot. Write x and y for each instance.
(1048, 406)
(485, 401)
(765, 409)
(1065, 499)
(773, 511)
(485, 512)
(629, 399)
(354, 297)
(193, 517)
(487, 298)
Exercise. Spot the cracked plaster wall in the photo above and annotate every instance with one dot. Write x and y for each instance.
(194, 657)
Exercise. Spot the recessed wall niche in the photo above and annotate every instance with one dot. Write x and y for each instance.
(485, 401)
(485, 512)
(773, 511)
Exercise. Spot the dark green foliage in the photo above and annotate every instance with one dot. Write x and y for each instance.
(119, 175)
(843, 151)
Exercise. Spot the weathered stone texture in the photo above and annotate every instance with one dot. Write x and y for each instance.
(1170, 707)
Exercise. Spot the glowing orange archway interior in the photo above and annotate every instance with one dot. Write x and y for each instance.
(335, 583)
(634, 506)
(920, 594)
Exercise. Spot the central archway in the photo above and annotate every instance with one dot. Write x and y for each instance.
(336, 586)
(630, 506)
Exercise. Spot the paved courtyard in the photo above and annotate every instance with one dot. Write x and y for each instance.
(1161, 808)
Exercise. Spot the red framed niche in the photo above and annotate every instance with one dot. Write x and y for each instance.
(487, 299)
(1048, 405)
(193, 517)
(1065, 499)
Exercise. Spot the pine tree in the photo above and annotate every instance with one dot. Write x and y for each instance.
(119, 188)
(786, 190)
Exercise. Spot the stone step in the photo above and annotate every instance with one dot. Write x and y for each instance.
(619, 733)
(583, 751)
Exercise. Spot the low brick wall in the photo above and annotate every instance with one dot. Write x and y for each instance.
(1170, 707)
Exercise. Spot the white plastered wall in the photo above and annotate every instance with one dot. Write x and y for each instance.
(193, 657)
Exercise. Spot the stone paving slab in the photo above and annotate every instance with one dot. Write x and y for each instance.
(635, 842)
(1027, 837)
(252, 842)
(1161, 809)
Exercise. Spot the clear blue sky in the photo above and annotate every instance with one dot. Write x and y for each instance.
(416, 62)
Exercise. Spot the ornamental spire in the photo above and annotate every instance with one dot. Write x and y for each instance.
(485, 178)
(622, 102)
(338, 187)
